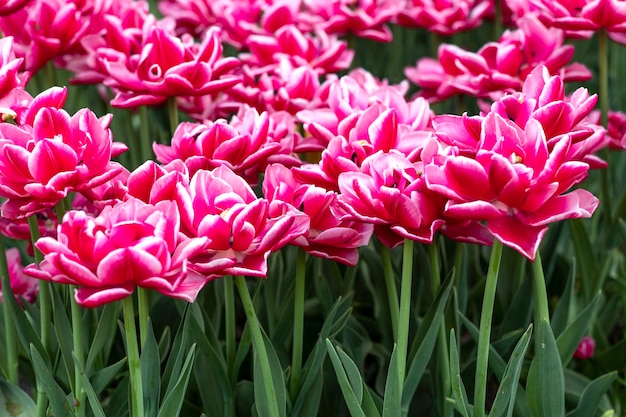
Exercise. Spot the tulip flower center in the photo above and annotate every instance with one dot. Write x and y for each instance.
(155, 71)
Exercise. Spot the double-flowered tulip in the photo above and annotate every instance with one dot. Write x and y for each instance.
(130, 244)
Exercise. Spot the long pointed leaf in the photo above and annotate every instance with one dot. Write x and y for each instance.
(173, 402)
(508, 386)
(352, 401)
(458, 388)
(278, 380)
(150, 363)
(56, 396)
(393, 389)
(592, 395)
(545, 386)
(425, 342)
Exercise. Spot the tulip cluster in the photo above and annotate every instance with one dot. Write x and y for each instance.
(283, 142)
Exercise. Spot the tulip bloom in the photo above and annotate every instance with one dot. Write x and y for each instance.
(44, 30)
(444, 17)
(246, 145)
(498, 67)
(514, 182)
(52, 154)
(324, 53)
(128, 245)
(23, 286)
(581, 18)
(241, 228)
(329, 236)
(167, 67)
(391, 193)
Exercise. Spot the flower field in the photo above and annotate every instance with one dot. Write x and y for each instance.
(298, 208)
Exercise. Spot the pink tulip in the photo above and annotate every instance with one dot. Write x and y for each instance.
(23, 286)
(329, 236)
(113, 35)
(167, 67)
(543, 99)
(616, 133)
(498, 67)
(444, 17)
(285, 87)
(43, 30)
(246, 145)
(364, 18)
(585, 348)
(324, 53)
(351, 96)
(52, 154)
(390, 193)
(10, 76)
(241, 229)
(581, 18)
(513, 182)
(128, 245)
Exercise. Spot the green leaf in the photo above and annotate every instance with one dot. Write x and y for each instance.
(592, 395)
(102, 338)
(461, 402)
(63, 330)
(370, 406)
(545, 386)
(393, 389)
(508, 386)
(310, 403)
(584, 256)
(94, 401)
(424, 342)
(175, 361)
(570, 338)
(348, 390)
(101, 379)
(498, 366)
(14, 402)
(565, 307)
(173, 402)
(150, 364)
(26, 332)
(336, 319)
(56, 396)
(278, 379)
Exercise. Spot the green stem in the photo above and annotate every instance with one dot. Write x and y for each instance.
(298, 324)
(442, 337)
(259, 345)
(541, 310)
(132, 352)
(79, 353)
(405, 307)
(143, 305)
(229, 317)
(144, 135)
(486, 316)
(45, 310)
(172, 111)
(392, 291)
(10, 333)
